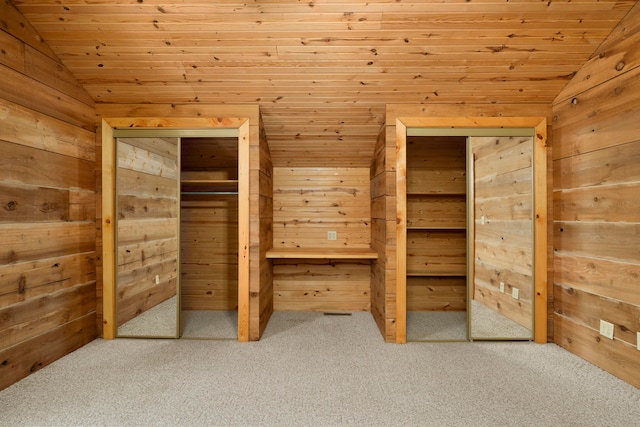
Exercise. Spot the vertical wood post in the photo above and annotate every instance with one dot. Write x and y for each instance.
(108, 232)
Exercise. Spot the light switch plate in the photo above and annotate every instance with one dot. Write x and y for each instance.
(157, 279)
(502, 287)
(515, 293)
(606, 329)
(638, 340)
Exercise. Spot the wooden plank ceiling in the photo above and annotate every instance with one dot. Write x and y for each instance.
(322, 71)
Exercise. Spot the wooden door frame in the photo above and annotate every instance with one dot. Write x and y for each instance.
(539, 124)
(109, 214)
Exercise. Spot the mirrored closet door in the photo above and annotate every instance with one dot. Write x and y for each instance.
(501, 255)
(177, 235)
(147, 205)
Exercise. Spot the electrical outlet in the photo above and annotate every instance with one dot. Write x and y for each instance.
(606, 329)
(482, 220)
(332, 235)
(515, 293)
(157, 279)
(638, 340)
(502, 287)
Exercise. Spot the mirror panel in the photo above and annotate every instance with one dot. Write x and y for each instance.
(501, 289)
(147, 216)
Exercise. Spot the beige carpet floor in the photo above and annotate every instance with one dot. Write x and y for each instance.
(452, 325)
(315, 370)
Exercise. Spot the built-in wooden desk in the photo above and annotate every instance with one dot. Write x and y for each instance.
(323, 253)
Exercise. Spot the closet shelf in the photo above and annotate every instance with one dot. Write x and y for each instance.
(438, 228)
(199, 186)
(322, 253)
(435, 274)
(436, 194)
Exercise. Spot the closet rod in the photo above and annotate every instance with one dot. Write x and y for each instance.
(211, 193)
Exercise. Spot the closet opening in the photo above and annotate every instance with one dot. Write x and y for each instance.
(175, 232)
(471, 229)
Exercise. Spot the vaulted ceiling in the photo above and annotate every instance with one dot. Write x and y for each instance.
(322, 71)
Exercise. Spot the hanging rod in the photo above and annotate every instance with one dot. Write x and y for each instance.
(210, 193)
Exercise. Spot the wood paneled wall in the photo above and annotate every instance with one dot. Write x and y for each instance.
(388, 287)
(261, 232)
(309, 202)
(209, 252)
(47, 214)
(596, 205)
(383, 233)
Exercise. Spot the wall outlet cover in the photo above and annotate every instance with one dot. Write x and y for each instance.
(502, 287)
(515, 293)
(606, 329)
(332, 235)
(638, 340)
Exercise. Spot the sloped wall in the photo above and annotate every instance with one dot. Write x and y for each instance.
(596, 132)
(47, 199)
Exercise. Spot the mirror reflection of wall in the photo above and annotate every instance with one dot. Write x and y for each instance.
(147, 180)
(501, 289)
(177, 237)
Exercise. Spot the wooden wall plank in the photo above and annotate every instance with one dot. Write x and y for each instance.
(615, 241)
(50, 72)
(596, 276)
(23, 281)
(26, 320)
(617, 203)
(436, 293)
(43, 168)
(614, 165)
(29, 93)
(12, 53)
(32, 241)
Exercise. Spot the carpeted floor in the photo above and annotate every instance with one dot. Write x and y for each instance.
(452, 325)
(161, 321)
(315, 370)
